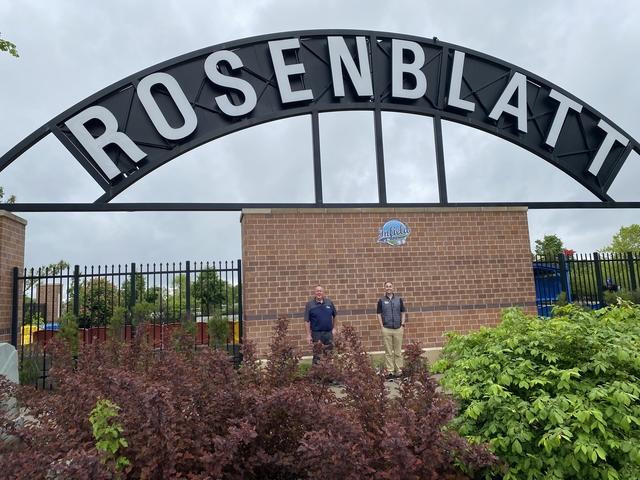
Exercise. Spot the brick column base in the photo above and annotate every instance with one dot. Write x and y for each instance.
(12, 229)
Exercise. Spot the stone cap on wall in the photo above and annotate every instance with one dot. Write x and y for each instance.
(11, 216)
(315, 211)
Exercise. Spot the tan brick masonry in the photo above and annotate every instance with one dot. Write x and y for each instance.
(12, 230)
(459, 268)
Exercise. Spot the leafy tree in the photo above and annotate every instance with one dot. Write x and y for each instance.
(11, 199)
(549, 247)
(232, 299)
(626, 240)
(56, 268)
(50, 270)
(140, 290)
(152, 295)
(7, 46)
(97, 296)
(209, 289)
(554, 398)
(174, 303)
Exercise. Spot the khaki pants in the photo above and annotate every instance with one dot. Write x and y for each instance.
(392, 338)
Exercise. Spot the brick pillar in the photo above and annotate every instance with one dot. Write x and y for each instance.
(458, 269)
(12, 230)
(49, 296)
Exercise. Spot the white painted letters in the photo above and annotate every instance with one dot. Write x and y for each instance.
(111, 135)
(339, 55)
(561, 114)
(399, 69)
(155, 114)
(605, 147)
(518, 83)
(284, 71)
(455, 86)
(410, 66)
(234, 61)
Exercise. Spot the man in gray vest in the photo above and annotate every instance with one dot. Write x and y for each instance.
(392, 316)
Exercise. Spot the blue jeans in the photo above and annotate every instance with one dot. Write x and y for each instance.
(327, 340)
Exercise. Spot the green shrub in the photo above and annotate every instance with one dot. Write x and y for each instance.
(555, 398)
(68, 331)
(183, 338)
(561, 299)
(108, 434)
(611, 298)
(141, 312)
(29, 371)
(218, 328)
(117, 322)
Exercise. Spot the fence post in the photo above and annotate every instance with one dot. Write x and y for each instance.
(76, 291)
(632, 271)
(14, 309)
(564, 284)
(132, 294)
(240, 326)
(188, 291)
(599, 282)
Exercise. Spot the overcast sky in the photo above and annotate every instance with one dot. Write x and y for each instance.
(71, 49)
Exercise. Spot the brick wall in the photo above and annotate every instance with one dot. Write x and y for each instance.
(459, 268)
(11, 255)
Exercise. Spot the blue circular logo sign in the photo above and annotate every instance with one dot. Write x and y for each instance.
(394, 232)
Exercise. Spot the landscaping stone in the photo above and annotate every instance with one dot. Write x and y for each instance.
(9, 369)
(9, 362)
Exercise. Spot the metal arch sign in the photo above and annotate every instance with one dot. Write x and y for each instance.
(129, 129)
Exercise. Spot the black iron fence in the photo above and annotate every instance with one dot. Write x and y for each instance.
(591, 280)
(154, 300)
(208, 298)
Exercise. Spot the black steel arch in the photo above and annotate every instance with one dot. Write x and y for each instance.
(483, 81)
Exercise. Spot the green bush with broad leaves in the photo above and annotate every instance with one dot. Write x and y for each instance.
(554, 398)
(108, 434)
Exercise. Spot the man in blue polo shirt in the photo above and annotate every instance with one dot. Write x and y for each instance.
(320, 320)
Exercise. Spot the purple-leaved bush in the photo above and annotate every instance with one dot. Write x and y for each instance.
(189, 413)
